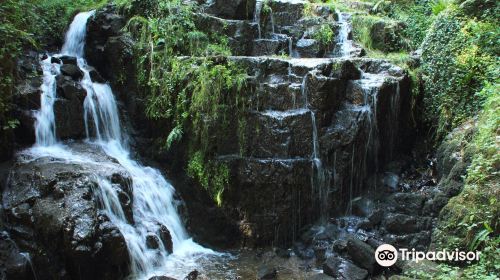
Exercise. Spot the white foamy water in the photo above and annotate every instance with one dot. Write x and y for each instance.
(346, 45)
(154, 204)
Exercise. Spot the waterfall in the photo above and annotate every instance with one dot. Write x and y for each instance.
(319, 180)
(45, 127)
(154, 205)
(343, 41)
(75, 37)
(256, 15)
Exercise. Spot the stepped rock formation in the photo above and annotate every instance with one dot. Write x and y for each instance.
(316, 128)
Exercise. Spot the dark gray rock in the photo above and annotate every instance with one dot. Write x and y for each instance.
(263, 47)
(55, 217)
(161, 278)
(362, 254)
(241, 33)
(320, 276)
(68, 108)
(72, 70)
(96, 77)
(387, 36)
(65, 59)
(343, 269)
(55, 60)
(237, 9)
(407, 203)
(152, 241)
(166, 238)
(13, 263)
(193, 275)
(402, 223)
(267, 272)
(286, 13)
(308, 48)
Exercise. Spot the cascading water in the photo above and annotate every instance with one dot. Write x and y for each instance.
(45, 126)
(345, 46)
(256, 16)
(154, 205)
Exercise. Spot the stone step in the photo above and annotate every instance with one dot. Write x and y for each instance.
(239, 32)
(273, 195)
(279, 134)
(264, 47)
(277, 96)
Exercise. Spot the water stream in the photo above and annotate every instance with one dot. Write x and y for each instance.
(345, 45)
(256, 16)
(319, 180)
(154, 205)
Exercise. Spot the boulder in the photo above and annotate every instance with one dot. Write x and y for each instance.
(193, 275)
(320, 276)
(236, 9)
(387, 36)
(407, 203)
(68, 108)
(152, 241)
(166, 238)
(263, 47)
(96, 77)
(72, 71)
(267, 272)
(402, 223)
(308, 48)
(66, 59)
(362, 254)
(343, 269)
(54, 216)
(13, 263)
(161, 278)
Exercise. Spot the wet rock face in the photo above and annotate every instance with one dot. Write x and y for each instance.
(26, 97)
(53, 215)
(236, 9)
(13, 263)
(280, 28)
(68, 108)
(387, 36)
(297, 107)
(343, 269)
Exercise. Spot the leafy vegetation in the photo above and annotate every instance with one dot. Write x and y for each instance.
(459, 59)
(324, 35)
(188, 82)
(30, 24)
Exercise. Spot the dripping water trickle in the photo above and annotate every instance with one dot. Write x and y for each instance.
(256, 16)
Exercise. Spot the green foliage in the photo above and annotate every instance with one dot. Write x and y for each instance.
(417, 19)
(438, 6)
(29, 24)
(188, 82)
(213, 176)
(362, 25)
(324, 35)
(470, 221)
(459, 58)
